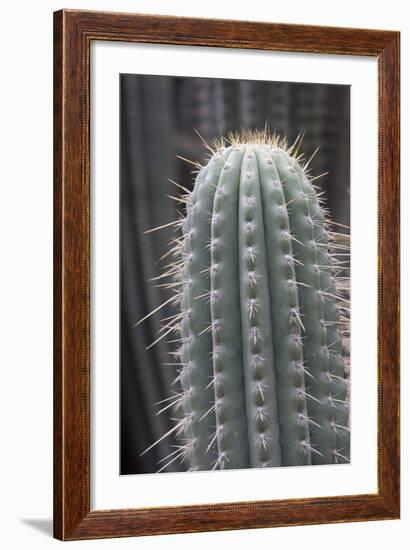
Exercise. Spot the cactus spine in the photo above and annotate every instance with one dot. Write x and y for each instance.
(262, 371)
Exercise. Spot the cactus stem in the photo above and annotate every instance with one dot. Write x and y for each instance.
(283, 217)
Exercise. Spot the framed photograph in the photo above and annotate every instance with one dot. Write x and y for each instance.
(226, 275)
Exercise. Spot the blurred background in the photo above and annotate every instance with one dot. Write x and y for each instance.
(158, 119)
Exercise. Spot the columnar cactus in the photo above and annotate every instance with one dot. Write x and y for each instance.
(261, 356)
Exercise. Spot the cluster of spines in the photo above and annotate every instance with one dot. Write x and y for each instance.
(305, 399)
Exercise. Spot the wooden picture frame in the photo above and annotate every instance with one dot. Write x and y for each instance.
(74, 32)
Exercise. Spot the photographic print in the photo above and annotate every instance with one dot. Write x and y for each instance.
(234, 269)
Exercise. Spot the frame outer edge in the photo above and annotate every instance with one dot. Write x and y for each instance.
(389, 251)
(58, 492)
(71, 285)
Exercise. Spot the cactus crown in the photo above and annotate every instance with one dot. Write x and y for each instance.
(262, 313)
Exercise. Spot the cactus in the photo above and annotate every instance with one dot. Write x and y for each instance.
(262, 372)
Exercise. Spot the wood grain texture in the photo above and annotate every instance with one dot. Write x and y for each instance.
(73, 32)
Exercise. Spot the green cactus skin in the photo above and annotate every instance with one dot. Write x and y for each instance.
(284, 306)
(196, 347)
(334, 342)
(263, 375)
(229, 378)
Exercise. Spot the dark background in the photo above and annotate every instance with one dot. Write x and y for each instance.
(158, 115)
